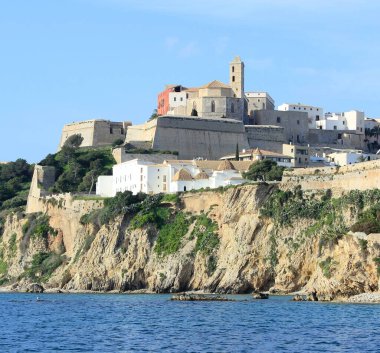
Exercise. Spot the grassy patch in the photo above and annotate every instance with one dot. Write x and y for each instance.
(171, 234)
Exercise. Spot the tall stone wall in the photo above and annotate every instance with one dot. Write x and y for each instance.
(95, 133)
(194, 137)
(265, 137)
(336, 139)
(360, 176)
(295, 124)
(43, 178)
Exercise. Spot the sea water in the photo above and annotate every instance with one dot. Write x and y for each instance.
(154, 323)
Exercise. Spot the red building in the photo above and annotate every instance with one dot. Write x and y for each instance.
(163, 98)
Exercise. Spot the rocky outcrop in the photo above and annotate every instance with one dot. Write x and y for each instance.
(253, 253)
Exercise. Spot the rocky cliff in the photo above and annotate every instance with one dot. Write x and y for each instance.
(251, 237)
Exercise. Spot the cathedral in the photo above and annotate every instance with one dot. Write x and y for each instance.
(213, 100)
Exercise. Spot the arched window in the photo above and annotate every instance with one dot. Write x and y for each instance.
(212, 106)
(232, 108)
(233, 68)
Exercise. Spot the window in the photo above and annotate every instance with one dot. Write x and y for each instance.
(298, 122)
(164, 178)
(233, 68)
(232, 108)
(122, 131)
(233, 78)
(279, 119)
(251, 113)
(212, 106)
(320, 127)
(175, 99)
(184, 188)
(304, 108)
(298, 138)
(258, 100)
(111, 130)
(335, 127)
(181, 99)
(343, 122)
(317, 117)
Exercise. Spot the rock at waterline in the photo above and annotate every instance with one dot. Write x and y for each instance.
(35, 288)
(260, 296)
(199, 297)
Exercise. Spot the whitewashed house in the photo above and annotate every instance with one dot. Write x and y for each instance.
(171, 176)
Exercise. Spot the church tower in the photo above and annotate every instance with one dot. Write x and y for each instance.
(237, 77)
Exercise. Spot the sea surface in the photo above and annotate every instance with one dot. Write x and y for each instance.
(153, 323)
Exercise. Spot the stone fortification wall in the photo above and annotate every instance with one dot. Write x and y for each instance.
(336, 139)
(120, 156)
(360, 176)
(265, 137)
(195, 137)
(95, 132)
(43, 178)
(295, 124)
(142, 135)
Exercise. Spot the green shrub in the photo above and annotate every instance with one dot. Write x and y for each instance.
(265, 170)
(327, 266)
(363, 245)
(13, 244)
(43, 265)
(205, 230)
(171, 234)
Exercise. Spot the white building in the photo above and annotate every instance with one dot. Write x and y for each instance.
(314, 113)
(351, 157)
(260, 154)
(352, 120)
(370, 123)
(170, 176)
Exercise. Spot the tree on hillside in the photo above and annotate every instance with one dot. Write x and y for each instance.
(73, 141)
(237, 156)
(265, 170)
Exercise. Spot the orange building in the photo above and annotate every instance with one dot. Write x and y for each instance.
(163, 98)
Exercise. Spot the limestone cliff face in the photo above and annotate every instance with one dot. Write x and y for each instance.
(253, 253)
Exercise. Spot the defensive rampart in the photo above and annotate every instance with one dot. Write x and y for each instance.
(361, 176)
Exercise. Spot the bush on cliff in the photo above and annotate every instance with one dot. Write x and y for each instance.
(265, 170)
(15, 178)
(77, 169)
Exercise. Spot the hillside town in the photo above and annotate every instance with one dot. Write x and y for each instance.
(208, 136)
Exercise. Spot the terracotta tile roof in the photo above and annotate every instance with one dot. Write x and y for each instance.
(226, 165)
(182, 174)
(240, 166)
(202, 175)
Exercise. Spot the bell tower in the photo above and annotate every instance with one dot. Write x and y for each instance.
(237, 77)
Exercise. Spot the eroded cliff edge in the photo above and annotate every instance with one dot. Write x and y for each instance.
(250, 237)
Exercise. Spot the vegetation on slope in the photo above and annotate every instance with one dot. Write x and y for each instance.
(15, 178)
(265, 170)
(328, 215)
(77, 169)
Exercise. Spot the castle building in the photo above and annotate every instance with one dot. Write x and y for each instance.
(95, 133)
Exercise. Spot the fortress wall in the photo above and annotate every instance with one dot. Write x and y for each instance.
(95, 132)
(85, 128)
(198, 137)
(142, 132)
(106, 132)
(360, 176)
(265, 137)
(43, 178)
(329, 138)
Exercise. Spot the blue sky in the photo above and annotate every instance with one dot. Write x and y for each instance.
(72, 60)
